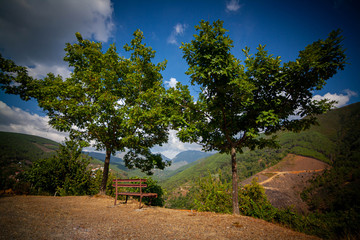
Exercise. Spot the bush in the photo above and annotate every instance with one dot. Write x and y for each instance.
(213, 194)
(152, 187)
(181, 202)
(253, 202)
(66, 173)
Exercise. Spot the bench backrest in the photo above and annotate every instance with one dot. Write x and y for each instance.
(136, 183)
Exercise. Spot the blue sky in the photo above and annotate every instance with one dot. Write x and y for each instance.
(33, 33)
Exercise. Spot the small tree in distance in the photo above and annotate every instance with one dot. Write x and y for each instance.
(242, 104)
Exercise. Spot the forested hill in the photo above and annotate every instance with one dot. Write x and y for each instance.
(17, 147)
(18, 151)
(321, 142)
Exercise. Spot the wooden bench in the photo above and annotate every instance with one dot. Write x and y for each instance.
(133, 183)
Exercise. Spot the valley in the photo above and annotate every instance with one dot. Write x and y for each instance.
(316, 170)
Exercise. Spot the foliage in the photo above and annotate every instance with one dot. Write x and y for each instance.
(17, 152)
(335, 193)
(63, 174)
(238, 102)
(181, 201)
(214, 194)
(152, 187)
(253, 201)
(97, 180)
(109, 100)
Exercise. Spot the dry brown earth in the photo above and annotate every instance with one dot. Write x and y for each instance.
(39, 217)
(285, 181)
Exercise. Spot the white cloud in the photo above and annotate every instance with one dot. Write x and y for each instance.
(14, 119)
(342, 99)
(172, 82)
(174, 146)
(233, 6)
(34, 33)
(178, 30)
(41, 70)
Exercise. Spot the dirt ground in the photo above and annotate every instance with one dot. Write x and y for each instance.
(39, 217)
(285, 181)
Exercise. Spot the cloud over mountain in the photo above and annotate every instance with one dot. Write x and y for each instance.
(342, 99)
(14, 119)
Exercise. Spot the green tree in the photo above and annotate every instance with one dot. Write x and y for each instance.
(66, 173)
(239, 101)
(114, 102)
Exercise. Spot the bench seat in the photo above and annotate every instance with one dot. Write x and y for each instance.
(138, 194)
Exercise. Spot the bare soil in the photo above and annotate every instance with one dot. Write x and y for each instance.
(44, 148)
(39, 217)
(285, 181)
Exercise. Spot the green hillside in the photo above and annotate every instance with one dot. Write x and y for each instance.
(18, 151)
(17, 147)
(333, 197)
(318, 142)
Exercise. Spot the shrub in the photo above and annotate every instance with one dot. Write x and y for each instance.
(63, 174)
(213, 194)
(152, 187)
(253, 201)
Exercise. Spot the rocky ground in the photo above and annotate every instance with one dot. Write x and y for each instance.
(39, 217)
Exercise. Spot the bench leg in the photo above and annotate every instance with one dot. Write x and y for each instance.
(126, 197)
(150, 201)
(140, 202)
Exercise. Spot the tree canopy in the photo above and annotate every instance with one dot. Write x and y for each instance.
(113, 102)
(242, 104)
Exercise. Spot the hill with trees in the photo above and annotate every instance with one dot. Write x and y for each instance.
(331, 196)
(320, 142)
(18, 151)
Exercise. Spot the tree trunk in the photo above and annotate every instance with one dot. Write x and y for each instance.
(105, 172)
(235, 195)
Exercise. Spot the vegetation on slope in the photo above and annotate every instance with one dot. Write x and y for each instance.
(332, 196)
(18, 151)
(319, 142)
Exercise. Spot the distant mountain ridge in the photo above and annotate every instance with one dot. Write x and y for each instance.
(101, 157)
(190, 156)
(24, 148)
(178, 163)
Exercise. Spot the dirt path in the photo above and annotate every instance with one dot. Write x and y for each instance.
(37, 217)
(276, 174)
(285, 181)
